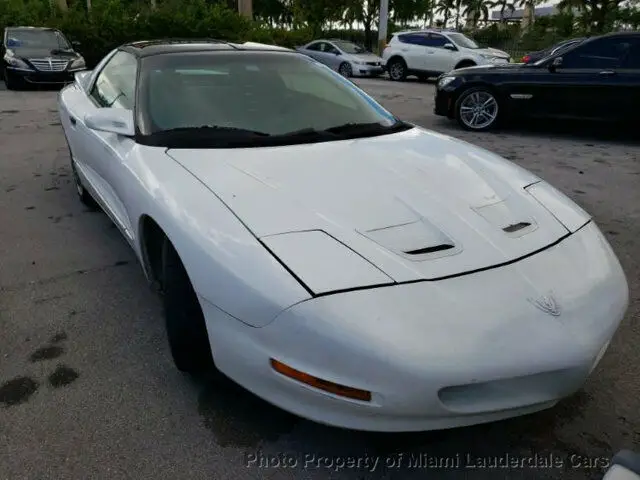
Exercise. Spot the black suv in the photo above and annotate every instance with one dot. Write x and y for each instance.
(38, 55)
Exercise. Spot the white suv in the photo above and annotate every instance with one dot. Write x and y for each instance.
(431, 52)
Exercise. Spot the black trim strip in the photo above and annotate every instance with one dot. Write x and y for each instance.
(437, 248)
(455, 275)
(285, 266)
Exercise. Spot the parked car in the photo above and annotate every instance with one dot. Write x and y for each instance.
(343, 264)
(347, 58)
(538, 55)
(38, 55)
(597, 79)
(429, 53)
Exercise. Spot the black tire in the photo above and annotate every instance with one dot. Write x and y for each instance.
(10, 81)
(345, 70)
(83, 194)
(184, 320)
(464, 65)
(477, 96)
(397, 70)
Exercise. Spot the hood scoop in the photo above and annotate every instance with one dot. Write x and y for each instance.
(419, 240)
(516, 227)
(508, 216)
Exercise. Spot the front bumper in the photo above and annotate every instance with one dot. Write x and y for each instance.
(44, 78)
(443, 102)
(461, 351)
(367, 70)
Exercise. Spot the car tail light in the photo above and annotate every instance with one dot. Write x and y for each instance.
(319, 383)
(526, 59)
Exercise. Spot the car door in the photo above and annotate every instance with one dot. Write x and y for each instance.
(333, 56)
(438, 58)
(106, 154)
(312, 50)
(586, 81)
(628, 78)
(413, 50)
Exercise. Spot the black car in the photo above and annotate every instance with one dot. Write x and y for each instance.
(540, 54)
(598, 79)
(38, 55)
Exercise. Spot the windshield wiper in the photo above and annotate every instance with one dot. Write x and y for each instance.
(347, 130)
(364, 128)
(215, 129)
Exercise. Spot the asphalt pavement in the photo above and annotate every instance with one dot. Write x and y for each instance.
(88, 390)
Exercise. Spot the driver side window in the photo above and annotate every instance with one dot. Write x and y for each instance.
(115, 85)
(600, 54)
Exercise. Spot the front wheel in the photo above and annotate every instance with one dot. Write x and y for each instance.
(477, 109)
(397, 70)
(184, 320)
(345, 70)
(10, 81)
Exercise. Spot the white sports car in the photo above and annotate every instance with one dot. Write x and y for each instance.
(338, 262)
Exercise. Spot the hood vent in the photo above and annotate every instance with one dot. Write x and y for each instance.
(426, 250)
(515, 227)
(416, 241)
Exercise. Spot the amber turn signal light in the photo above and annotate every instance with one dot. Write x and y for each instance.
(319, 383)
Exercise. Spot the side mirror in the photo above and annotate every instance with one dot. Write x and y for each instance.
(557, 62)
(112, 120)
(449, 46)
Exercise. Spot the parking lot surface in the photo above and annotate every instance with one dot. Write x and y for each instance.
(88, 390)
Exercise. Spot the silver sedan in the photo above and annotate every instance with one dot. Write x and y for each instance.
(345, 57)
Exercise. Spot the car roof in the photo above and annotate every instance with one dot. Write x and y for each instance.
(147, 48)
(44, 29)
(427, 30)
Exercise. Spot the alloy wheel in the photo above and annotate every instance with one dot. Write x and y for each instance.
(478, 110)
(396, 71)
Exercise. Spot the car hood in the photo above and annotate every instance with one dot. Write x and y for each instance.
(492, 68)
(26, 52)
(497, 53)
(365, 57)
(415, 205)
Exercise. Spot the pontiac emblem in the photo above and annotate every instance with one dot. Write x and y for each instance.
(547, 304)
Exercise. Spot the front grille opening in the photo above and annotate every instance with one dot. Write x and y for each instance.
(436, 248)
(516, 227)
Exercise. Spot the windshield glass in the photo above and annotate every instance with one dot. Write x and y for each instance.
(267, 93)
(462, 40)
(50, 39)
(559, 49)
(350, 47)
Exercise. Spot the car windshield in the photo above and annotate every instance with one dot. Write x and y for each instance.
(558, 49)
(462, 40)
(50, 39)
(217, 97)
(350, 47)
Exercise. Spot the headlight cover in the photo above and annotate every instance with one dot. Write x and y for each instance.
(15, 61)
(444, 81)
(78, 63)
(566, 211)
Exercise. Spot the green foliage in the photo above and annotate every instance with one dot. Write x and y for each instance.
(296, 22)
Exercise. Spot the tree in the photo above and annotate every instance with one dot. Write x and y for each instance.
(476, 9)
(444, 8)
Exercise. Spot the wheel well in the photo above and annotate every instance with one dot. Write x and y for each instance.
(152, 239)
(491, 88)
(395, 58)
(464, 63)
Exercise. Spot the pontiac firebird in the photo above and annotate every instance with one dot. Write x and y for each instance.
(340, 263)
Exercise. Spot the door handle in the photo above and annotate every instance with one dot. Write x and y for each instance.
(607, 72)
(73, 120)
